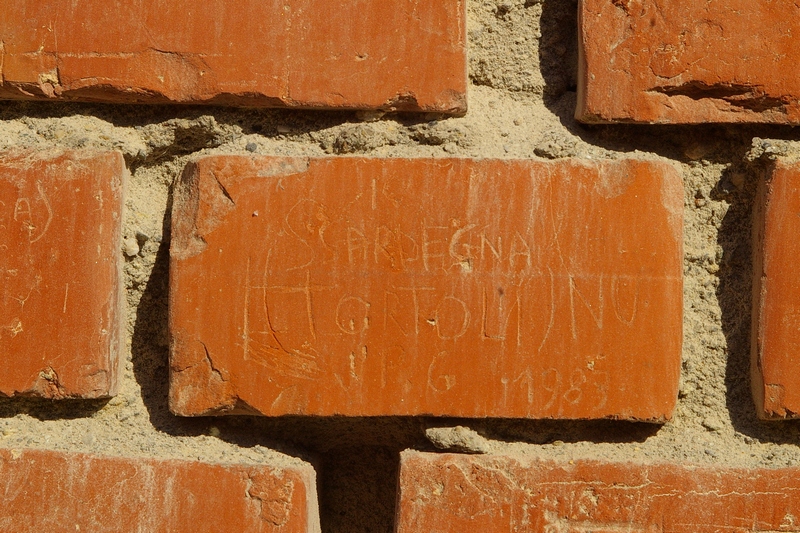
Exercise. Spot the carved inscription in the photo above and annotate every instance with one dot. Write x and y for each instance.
(60, 223)
(25, 217)
(582, 496)
(427, 281)
(514, 310)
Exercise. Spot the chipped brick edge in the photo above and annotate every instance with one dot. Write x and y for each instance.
(200, 203)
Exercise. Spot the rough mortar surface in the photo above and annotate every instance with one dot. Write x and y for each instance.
(523, 65)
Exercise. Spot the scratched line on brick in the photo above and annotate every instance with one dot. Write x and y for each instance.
(164, 52)
(60, 218)
(499, 494)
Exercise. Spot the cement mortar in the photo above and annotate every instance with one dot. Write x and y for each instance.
(522, 57)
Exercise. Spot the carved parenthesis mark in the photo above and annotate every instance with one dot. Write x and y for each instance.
(465, 318)
(49, 207)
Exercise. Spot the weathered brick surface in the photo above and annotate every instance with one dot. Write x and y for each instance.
(444, 493)
(775, 343)
(446, 287)
(60, 294)
(689, 62)
(404, 55)
(67, 492)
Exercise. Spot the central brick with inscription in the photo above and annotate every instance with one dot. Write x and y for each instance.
(453, 287)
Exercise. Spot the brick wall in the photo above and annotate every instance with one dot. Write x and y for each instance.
(307, 266)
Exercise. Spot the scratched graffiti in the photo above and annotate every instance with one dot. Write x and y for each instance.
(583, 496)
(428, 286)
(25, 218)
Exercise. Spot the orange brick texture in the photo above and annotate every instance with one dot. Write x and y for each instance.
(298, 53)
(502, 290)
(449, 493)
(696, 61)
(368, 287)
(66, 492)
(60, 294)
(776, 293)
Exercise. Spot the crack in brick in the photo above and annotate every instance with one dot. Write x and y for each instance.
(750, 97)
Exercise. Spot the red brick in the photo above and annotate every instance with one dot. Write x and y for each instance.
(443, 493)
(67, 492)
(405, 55)
(60, 295)
(447, 287)
(689, 62)
(775, 346)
